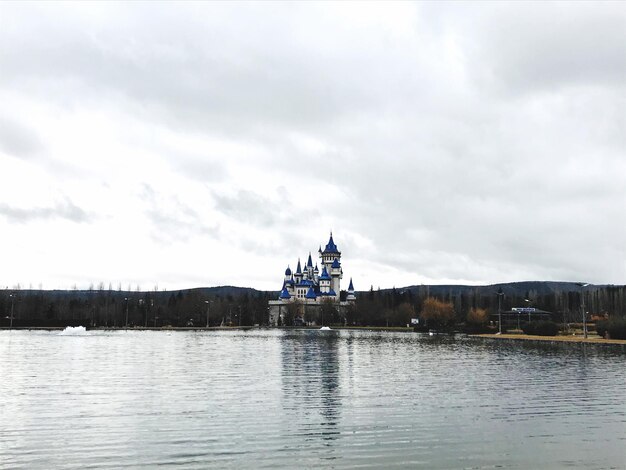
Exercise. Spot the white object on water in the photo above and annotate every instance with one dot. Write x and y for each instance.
(74, 331)
(325, 328)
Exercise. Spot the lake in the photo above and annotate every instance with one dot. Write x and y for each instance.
(306, 399)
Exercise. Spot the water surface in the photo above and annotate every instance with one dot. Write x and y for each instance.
(306, 399)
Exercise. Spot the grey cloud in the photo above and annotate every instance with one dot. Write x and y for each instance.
(18, 140)
(220, 70)
(198, 167)
(172, 220)
(250, 207)
(553, 44)
(62, 210)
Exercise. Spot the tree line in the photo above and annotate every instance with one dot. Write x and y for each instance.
(247, 307)
(396, 307)
(117, 309)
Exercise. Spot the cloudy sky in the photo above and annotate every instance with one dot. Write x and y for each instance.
(181, 145)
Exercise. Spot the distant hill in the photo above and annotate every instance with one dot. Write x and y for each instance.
(518, 289)
(513, 289)
(221, 291)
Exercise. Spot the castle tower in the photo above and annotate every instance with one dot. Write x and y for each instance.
(336, 274)
(329, 255)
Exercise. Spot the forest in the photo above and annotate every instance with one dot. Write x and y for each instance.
(234, 306)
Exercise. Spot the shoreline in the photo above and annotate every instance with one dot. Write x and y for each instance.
(211, 328)
(551, 339)
(488, 336)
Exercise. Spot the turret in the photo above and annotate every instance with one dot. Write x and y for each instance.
(336, 274)
(351, 296)
(287, 273)
(324, 280)
(298, 274)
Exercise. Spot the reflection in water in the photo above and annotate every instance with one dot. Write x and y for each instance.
(310, 377)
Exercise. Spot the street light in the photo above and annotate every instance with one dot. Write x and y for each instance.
(582, 304)
(11, 320)
(500, 294)
(126, 299)
(208, 303)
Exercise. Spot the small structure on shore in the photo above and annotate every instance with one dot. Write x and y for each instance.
(518, 315)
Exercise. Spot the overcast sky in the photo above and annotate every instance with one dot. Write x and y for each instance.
(203, 144)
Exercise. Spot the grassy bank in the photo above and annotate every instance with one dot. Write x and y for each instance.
(559, 338)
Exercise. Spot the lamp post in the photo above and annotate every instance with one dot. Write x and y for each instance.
(11, 320)
(528, 307)
(208, 303)
(126, 299)
(500, 294)
(582, 305)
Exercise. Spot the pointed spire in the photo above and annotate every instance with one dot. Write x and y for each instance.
(309, 263)
(350, 287)
(330, 246)
(299, 268)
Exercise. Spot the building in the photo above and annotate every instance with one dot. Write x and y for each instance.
(310, 287)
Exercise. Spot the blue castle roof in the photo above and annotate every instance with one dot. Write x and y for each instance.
(324, 276)
(309, 263)
(311, 294)
(284, 294)
(350, 287)
(288, 271)
(298, 269)
(330, 246)
(335, 264)
(332, 292)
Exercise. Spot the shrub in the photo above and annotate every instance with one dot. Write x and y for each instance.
(436, 313)
(477, 316)
(541, 328)
(476, 321)
(601, 327)
(617, 328)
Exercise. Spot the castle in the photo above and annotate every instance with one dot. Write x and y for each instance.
(308, 287)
